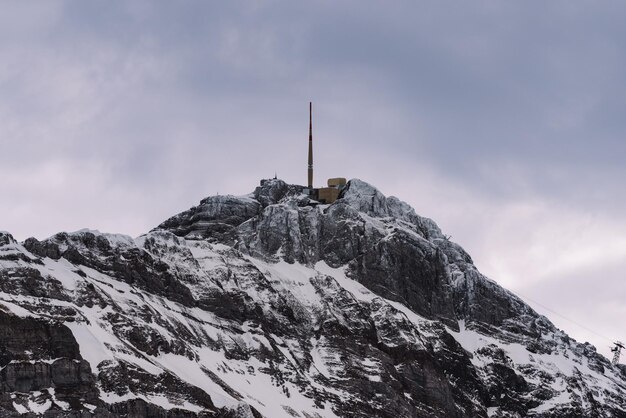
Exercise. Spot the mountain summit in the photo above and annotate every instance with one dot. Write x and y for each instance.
(273, 305)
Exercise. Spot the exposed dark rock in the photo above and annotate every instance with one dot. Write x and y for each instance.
(43, 249)
(214, 219)
(31, 338)
(6, 238)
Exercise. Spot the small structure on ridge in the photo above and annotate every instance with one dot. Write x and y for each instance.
(335, 185)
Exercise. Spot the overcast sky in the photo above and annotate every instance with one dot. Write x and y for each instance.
(502, 121)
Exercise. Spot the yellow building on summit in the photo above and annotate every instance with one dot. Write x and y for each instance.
(331, 193)
(335, 185)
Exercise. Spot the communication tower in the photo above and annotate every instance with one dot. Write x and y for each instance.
(618, 351)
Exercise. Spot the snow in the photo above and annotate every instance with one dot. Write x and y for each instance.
(562, 398)
(92, 347)
(164, 402)
(559, 365)
(90, 406)
(357, 290)
(318, 363)
(13, 308)
(209, 260)
(39, 408)
(323, 358)
(20, 408)
(471, 341)
(97, 343)
(61, 270)
(47, 361)
(115, 240)
(62, 404)
(157, 399)
(372, 369)
(285, 352)
(191, 372)
(257, 388)
(294, 278)
(141, 362)
(363, 294)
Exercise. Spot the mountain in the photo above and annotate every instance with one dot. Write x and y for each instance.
(272, 305)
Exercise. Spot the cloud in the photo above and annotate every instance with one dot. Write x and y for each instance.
(501, 121)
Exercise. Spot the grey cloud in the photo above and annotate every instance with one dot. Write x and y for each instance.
(116, 116)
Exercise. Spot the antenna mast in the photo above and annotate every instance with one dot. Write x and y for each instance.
(310, 171)
(618, 351)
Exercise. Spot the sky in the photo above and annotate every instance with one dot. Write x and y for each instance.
(500, 120)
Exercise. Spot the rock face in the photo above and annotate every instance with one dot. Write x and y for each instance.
(272, 305)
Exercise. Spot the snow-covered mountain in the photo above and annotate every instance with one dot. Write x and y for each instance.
(271, 305)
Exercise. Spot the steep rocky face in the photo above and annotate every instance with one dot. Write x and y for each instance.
(53, 360)
(271, 305)
(383, 242)
(216, 217)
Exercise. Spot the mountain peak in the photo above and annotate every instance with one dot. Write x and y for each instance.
(6, 238)
(274, 305)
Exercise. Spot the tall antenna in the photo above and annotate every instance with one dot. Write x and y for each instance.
(618, 351)
(310, 171)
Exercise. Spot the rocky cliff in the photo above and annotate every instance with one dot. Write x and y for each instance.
(271, 305)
